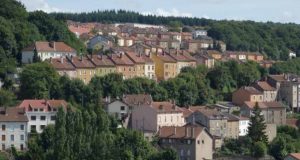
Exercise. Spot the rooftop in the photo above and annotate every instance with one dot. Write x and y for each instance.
(185, 132)
(42, 46)
(136, 99)
(163, 107)
(264, 105)
(30, 104)
(12, 114)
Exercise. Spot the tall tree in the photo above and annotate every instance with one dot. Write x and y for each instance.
(257, 126)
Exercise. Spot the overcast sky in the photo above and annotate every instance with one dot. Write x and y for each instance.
(258, 10)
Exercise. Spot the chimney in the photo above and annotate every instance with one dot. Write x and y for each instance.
(186, 131)
(52, 44)
(193, 131)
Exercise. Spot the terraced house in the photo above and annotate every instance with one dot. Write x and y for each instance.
(165, 66)
(144, 65)
(85, 69)
(104, 65)
(123, 64)
(64, 67)
(183, 59)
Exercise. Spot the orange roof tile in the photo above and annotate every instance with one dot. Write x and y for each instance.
(186, 132)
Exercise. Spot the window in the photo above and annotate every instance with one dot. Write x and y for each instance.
(22, 137)
(122, 108)
(181, 152)
(36, 110)
(43, 118)
(198, 142)
(54, 109)
(33, 128)
(188, 152)
(41, 110)
(3, 127)
(152, 67)
(22, 127)
(202, 141)
(42, 127)
(149, 68)
(33, 118)
(3, 138)
(12, 137)
(53, 118)
(3, 147)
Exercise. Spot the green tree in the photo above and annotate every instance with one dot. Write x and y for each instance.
(257, 126)
(7, 98)
(259, 149)
(39, 80)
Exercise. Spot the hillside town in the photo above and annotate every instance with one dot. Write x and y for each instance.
(175, 88)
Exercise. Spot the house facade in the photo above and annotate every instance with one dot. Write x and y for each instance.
(165, 66)
(64, 67)
(274, 112)
(13, 131)
(85, 69)
(244, 94)
(47, 50)
(190, 142)
(150, 117)
(41, 113)
(104, 65)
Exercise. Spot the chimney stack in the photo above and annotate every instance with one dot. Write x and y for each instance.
(186, 131)
(193, 131)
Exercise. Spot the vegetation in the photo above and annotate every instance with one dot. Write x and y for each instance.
(290, 66)
(91, 134)
(257, 127)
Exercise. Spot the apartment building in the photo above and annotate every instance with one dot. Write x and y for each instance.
(13, 131)
(165, 66)
(103, 64)
(123, 64)
(244, 94)
(64, 67)
(190, 142)
(41, 113)
(274, 112)
(150, 117)
(85, 69)
(269, 92)
(183, 59)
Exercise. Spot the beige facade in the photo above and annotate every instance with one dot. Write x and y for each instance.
(190, 142)
(246, 94)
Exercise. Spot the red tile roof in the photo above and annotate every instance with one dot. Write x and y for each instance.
(264, 86)
(101, 60)
(61, 64)
(12, 114)
(138, 58)
(50, 47)
(186, 132)
(166, 57)
(136, 99)
(264, 105)
(165, 107)
(121, 59)
(30, 104)
(181, 55)
(295, 155)
(251, 90)
(81, 62)
(278, 78)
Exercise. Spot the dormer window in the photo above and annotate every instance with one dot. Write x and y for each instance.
(54, 109)
(41, 110)
(36, 110)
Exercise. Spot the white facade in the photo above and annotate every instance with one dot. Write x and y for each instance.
(170, 119)
(121, 42)
(242, 57)
(13, 134)
(38, 119)
(181, 65)
(118, 109)
(150, 70)
(198, 33)
(243, 127)
(27, 56)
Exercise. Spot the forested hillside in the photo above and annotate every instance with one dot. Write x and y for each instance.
(273, 39)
